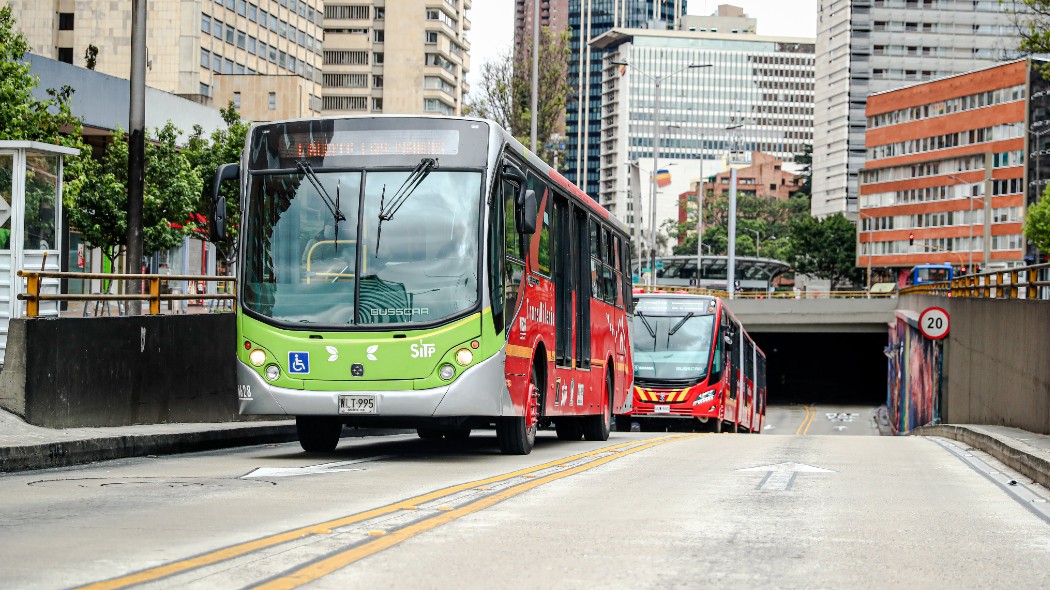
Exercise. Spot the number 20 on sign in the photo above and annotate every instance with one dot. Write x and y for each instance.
(934, 323)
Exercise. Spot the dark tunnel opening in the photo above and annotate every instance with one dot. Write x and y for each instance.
(830, 368)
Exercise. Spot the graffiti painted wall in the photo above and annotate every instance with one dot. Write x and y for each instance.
(914, 379)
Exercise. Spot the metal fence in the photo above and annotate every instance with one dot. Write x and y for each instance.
(33, 296)
(1023, 282)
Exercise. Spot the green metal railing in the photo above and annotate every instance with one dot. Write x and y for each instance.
(33, 295)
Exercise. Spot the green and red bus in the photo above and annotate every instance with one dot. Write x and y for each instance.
(427, 273)
(695, 366)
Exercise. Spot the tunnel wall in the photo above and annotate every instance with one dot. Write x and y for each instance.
(118, 371)
(996, 367)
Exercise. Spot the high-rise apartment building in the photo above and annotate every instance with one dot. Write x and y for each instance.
(264, 55)
(589, 19)
(553, 14)
(403, 57)
(868, 46)
(760, 86)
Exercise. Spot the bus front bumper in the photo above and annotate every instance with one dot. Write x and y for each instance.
(480, 391)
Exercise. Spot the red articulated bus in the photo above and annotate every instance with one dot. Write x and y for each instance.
(695, 367)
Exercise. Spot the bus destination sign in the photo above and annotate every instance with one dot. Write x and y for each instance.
(377, 142)
(674, 305)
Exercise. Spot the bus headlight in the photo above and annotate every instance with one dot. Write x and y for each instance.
(447, 371)
(257, 357)
(464, 357)
(273, 372)
(705, 397)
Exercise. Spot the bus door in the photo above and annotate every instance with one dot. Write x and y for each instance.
(582, 260)
(735, 374)
(564, 277)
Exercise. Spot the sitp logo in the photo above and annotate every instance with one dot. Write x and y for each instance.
(423, 350)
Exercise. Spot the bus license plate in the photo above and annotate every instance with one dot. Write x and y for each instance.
(357, 404)
(662, 409)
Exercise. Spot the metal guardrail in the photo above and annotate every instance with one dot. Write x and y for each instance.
(1023, 282)
(765, 295)
(33, 296)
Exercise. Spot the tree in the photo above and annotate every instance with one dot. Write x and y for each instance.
(90, 57)
(23, 117)
(825, 248)
(506, 86)
(772, 218)
(170, 189)
(205, 155)
(806, 160)
(1037, 223)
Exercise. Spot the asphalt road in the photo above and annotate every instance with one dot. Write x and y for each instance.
(643, 510)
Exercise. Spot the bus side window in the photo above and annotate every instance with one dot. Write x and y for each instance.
(718, 357)
(515, 253)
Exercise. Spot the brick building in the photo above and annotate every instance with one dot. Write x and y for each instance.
(943, 179)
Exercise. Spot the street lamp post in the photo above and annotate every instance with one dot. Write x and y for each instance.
(656, 153)
(731, 258)
(758, 240)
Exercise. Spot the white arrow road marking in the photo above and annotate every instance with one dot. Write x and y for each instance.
(312, 469)
(781, 476)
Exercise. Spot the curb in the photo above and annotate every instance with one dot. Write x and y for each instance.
(90, 450)
(1010, 453)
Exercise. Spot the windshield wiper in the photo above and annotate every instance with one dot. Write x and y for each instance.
(679, 325)
(415, 178)
(641, 316)
(333, 206)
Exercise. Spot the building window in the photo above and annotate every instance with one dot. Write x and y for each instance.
(65, 54)
(380, 13)
(432, 37)
(432, 105)
(206, 24)
(379, 35)
(205, 89)
(236, 100)
(65, 21)
(229, 34)
(241, 37)
(377, 104)
(271, 99)
(346, 58)
(377, 57)
(377, 81)
(353, 12)
(242, 7)
(205, 58)
(344, 103)
(227, 66)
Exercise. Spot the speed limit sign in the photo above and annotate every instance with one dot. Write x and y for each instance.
(934, 323)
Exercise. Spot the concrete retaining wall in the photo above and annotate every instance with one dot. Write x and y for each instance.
(996, 361)
(119, 371)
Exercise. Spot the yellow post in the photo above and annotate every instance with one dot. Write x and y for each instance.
(154, 295)
(1033, 276)
(32, 291)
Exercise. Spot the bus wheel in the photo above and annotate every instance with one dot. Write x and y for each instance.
(597, 427)
(623, 424)
(318, 434)
(568, 429)
(517, 434)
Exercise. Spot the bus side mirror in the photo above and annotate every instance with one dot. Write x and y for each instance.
(529, 210)
(217, 225)
(728, 340)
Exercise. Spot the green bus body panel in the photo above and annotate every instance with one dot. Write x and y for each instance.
(410, 361)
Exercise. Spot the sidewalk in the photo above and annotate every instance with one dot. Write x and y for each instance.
(24, 446)
(1022, 451)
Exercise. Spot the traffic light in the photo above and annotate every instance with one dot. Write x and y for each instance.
(911, 239)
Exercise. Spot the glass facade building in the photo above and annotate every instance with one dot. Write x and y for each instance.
(588, 19)
(762, 84)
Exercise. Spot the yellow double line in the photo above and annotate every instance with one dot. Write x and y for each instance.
(336, 561)
(811, 412)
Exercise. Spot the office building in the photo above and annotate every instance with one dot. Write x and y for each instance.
(264, 55)
(944, 177)
(869, 46)
(756, 95)
(589, 19)
(403, 57)
(553, 14)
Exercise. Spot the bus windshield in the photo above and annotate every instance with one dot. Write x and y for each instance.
(672, 347)
(307, 261)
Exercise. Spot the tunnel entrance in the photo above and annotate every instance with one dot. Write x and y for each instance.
(838, 368)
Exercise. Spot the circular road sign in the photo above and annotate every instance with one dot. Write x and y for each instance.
(934, 323)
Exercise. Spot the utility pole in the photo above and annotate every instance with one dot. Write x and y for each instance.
(731, 262)
(535, 71)
(136, 149)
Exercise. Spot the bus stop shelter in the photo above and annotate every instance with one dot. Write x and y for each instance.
(30, 223)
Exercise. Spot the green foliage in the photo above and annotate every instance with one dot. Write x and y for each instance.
(206, 154)
(806, 160)
(170, 188)
(23, 117)
(1037, 223)
(505, 91)
(771, 218)
(825, 248)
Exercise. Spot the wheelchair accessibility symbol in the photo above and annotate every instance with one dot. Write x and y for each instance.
(298, 363)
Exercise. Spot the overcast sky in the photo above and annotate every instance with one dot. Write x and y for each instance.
(492, 23)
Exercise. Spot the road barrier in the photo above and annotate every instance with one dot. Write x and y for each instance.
(33, 295)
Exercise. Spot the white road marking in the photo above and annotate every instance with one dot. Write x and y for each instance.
(311, 469)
